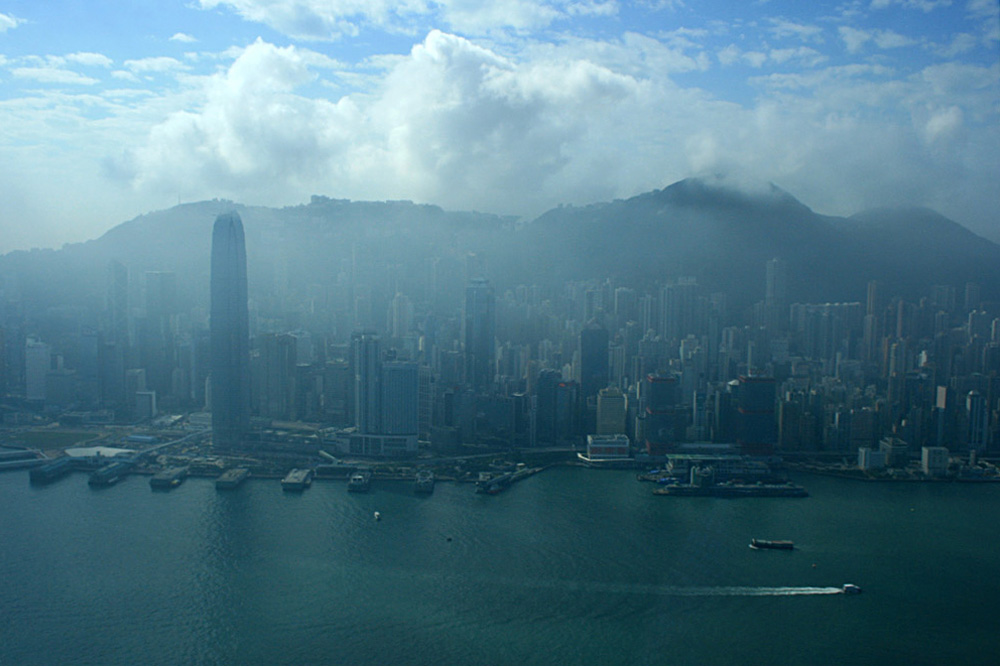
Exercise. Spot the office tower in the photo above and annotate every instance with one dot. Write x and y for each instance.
(116, 305)
(663, 417)
(274, 365)
(400, 398)
(544, 407)
(400, 316)
(756, 427)
(386, 400)
(611, 411)
(776, 287)
(977, 417)
(161, 294)
(230, 333)
(156, 330)
(972, 297)
(366, 360)
(37, 364)
(776, 295)
(479, 325)
(679, 309)
(593, 359)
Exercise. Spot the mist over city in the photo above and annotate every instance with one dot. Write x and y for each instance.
(545, 332)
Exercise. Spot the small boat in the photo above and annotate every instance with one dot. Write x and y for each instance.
(424, 482)
(771, 544)
(851, 589)
(361, 480)
(378, 516)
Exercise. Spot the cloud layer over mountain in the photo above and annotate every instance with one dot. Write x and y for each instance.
(511, 108)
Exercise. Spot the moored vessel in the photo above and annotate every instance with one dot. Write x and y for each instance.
(232, 478)
(297, 479)
(424, 482)
(361, 480)
(50, 472)
(109, 474)
(786, 545)
(169, 478)
(730, 490)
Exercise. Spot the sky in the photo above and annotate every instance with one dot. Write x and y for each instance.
(113, 108)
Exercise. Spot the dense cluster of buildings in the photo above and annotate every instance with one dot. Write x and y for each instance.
(375, 367)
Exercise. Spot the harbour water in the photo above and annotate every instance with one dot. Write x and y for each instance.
(569, 566)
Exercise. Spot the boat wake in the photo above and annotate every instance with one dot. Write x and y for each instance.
(698, 591)
(753, 591)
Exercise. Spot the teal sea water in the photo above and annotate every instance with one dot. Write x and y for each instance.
(569, 566)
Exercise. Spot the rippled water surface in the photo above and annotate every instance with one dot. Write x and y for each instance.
(569, 566)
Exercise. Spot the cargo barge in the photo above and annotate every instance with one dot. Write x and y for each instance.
(297, 479)
(169, 478)
(785, 545)
(110, 474)
(727, 490)
(50, 472)
(232, 478)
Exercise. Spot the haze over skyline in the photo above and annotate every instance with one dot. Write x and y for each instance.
(512, 107)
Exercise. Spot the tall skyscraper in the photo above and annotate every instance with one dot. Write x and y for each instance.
(593, 359)
(366, 358)
(386, 400)
(757, 429)
(478, 334)
(230, 333)
(776, 295)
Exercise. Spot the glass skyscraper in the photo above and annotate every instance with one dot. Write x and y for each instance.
(230, 334)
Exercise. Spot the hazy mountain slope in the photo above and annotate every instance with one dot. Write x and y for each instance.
(724, 236)
(719, 234)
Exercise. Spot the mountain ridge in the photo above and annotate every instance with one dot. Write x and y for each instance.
(705, 228)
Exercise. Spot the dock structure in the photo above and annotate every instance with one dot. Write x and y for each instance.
(169, 478)
(50, 472)
(495, 483)
(297, 479)
(232, 478)
(110, 474)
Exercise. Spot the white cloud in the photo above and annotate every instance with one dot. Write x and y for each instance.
(784, 28)
(943, 124)
(729, 55)
(52, 75)
(90, 59)
(124, 76)
(182, 37)
(321, 19)
(334, 19)
(459, 125)
(888, 39)
(925, 6)
(157, 64)
(982, 9)
(961, 43)
(804, 55)
(8, 22)
(853, 38)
